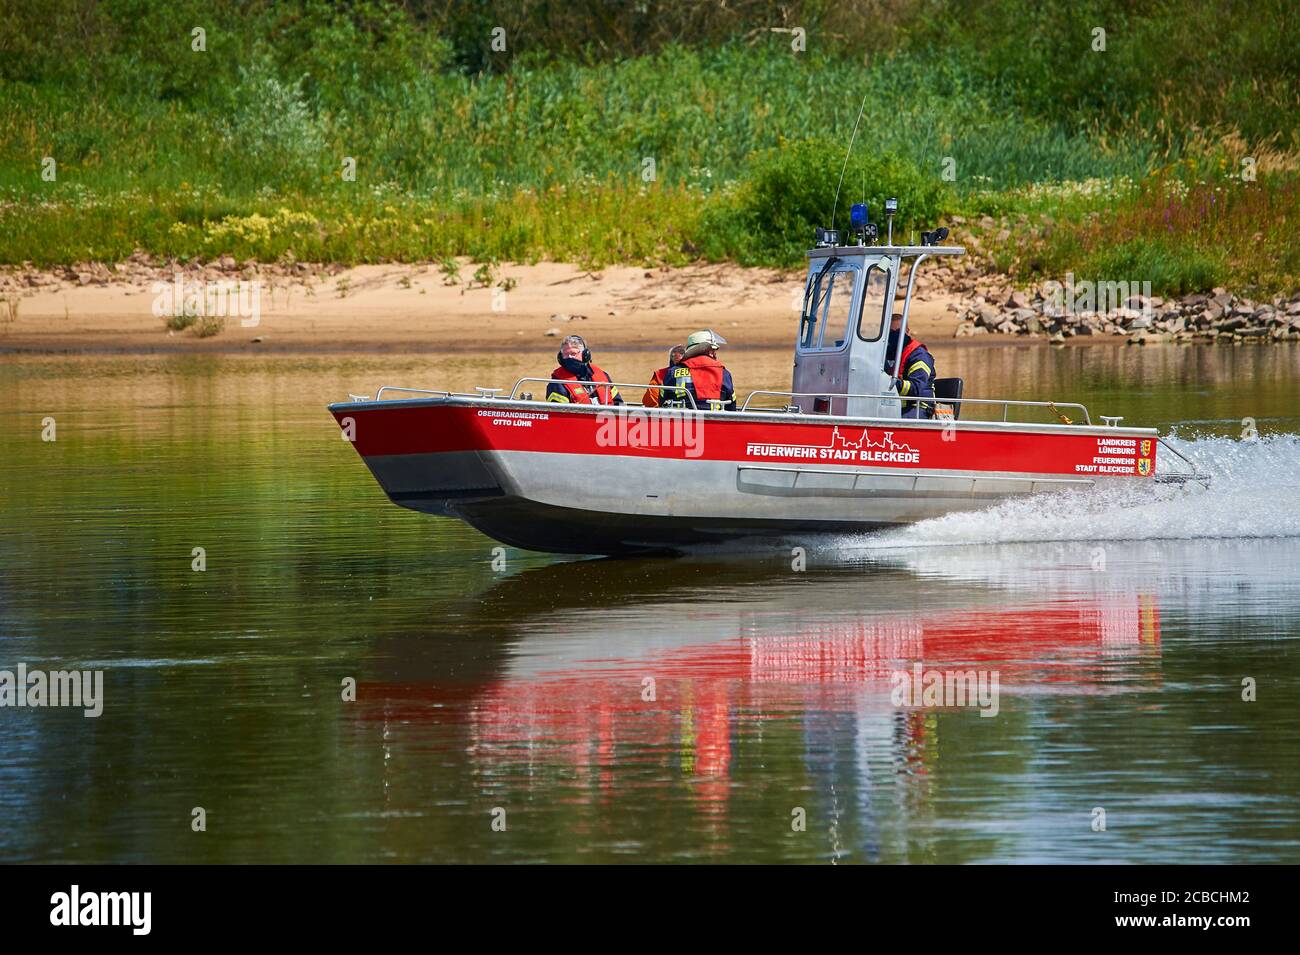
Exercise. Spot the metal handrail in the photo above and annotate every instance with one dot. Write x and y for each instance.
(614, 384)
(1193, 473)
(804, 394)
(415, 391)
(1005, 402)
(907, 311)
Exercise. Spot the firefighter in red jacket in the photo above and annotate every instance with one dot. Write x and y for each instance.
(704, 377)
(666, 397)
(583, 383)
(916, 375)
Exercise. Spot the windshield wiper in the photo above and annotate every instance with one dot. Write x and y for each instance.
(820, 294)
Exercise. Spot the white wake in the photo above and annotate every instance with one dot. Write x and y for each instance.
(1254, 492)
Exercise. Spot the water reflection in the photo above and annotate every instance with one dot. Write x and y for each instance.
(626, 674)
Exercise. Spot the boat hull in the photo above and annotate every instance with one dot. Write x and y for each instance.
(602, 481)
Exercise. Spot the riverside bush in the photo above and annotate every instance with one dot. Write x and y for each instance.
(792, 190)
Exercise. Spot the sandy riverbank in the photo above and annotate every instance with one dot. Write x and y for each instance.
(415, 308)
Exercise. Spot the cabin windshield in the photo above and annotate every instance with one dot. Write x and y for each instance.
(828, 301)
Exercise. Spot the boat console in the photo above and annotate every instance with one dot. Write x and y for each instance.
(849, 295)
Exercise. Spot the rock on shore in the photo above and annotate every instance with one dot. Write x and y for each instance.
(1220, 317)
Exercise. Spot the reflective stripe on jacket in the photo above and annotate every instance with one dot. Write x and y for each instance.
(577, 391)
(917, 378)
(708, 382)
(664, 397)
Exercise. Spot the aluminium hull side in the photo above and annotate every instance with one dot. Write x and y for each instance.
(550, 501)
(548, 478)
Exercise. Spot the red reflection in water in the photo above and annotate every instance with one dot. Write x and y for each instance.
(579, 715)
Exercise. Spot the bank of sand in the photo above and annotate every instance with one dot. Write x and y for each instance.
(414, 309)
(449, 335)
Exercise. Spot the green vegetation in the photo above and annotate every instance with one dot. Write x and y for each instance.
(1179, 237)
(649, 132)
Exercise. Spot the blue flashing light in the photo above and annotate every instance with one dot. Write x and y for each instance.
(858, 216)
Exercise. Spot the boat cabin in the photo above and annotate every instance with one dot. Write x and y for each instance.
(849, 297)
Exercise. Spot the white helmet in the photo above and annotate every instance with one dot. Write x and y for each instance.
(702, 341)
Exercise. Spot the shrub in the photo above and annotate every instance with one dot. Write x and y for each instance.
(1169, 267)
(792, 191)
(209, 325)
(178, 323)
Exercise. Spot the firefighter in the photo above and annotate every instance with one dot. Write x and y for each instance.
(703, 376)
(916, 380)
(583, 382)
(666, 397)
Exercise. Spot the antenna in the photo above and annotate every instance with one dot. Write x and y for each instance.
(846, 157)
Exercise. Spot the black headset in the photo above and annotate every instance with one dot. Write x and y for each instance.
(586, 352)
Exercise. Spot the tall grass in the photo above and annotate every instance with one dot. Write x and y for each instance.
(1181, 238)
(548, 161)
(701, 116)
(595, 223)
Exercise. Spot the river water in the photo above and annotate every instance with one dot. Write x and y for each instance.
(724, 706)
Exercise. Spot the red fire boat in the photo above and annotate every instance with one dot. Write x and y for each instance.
(833, 455)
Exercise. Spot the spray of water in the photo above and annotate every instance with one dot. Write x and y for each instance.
(1254, 493)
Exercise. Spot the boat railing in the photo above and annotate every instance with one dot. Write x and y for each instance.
(482, 392)
(616, 384)
(413, 391)
(1193, 473)
(1006, 403)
